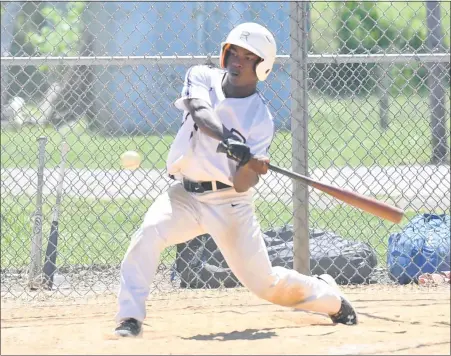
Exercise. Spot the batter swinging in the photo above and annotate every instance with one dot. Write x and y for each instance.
(214, 195)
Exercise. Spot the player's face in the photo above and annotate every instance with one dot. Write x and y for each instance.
(241, 66)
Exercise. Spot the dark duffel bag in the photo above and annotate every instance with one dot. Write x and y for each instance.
(200, 264)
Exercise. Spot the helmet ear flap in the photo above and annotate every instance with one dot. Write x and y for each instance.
(257, 62)
(225, 54)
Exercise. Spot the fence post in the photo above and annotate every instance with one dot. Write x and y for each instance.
(299, 118)
(436, 89)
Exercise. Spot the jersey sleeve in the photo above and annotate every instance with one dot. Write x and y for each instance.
(261, 136)
(196, 86)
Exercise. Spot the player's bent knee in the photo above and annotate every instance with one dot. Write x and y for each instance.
(287, 296)
(282, 289)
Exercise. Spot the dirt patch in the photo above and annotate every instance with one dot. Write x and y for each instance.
(392, 321)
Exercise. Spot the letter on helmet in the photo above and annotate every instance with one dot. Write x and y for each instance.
(254, 38)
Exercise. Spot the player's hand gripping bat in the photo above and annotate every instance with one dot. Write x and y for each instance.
(370, 205)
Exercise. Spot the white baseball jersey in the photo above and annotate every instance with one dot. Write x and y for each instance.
(193, 153)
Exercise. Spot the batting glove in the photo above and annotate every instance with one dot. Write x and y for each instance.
(236, 150)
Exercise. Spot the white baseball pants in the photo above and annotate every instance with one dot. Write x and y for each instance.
(178, 216)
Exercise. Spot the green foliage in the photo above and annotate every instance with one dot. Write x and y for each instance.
(404, 21)
(372, 27)
(62, 33)
(363, 27)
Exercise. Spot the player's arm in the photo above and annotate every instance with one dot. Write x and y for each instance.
(259, 141)
(206, 119)
(209, 123)
(195, 98)
(245, 178)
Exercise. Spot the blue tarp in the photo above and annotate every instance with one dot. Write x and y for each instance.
(423, 246)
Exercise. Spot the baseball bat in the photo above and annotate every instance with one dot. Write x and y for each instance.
(370, 205)
(36, 243)
(52, 244)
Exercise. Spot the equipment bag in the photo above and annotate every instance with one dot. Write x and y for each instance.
(200, 264)
(423, 246)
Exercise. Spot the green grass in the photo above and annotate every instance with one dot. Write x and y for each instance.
(98, 231)
(347, 133)
(19, 148)
(341, 132)
(91, 231)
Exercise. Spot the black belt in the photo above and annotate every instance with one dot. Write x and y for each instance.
(201, 187)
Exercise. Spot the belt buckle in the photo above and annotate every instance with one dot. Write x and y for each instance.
(193, 187)
(198, 188)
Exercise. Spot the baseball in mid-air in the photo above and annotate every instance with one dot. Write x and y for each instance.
(130, 160)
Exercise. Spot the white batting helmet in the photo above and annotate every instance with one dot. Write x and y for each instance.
(254, 38)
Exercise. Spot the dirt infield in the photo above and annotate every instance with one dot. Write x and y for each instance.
(392, 321)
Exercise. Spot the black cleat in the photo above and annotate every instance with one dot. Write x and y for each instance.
(346, 315)
(129, 328)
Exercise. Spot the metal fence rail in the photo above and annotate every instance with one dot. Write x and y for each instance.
(195, 60)
(360, 98)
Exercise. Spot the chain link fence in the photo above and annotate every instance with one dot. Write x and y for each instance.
(360, 95)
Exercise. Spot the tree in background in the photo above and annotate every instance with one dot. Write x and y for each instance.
(55, 93)
(363, 28)
(21, 18)
(63, 35)
(9, 13)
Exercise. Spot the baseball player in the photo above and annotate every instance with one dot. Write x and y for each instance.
(221, 107)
